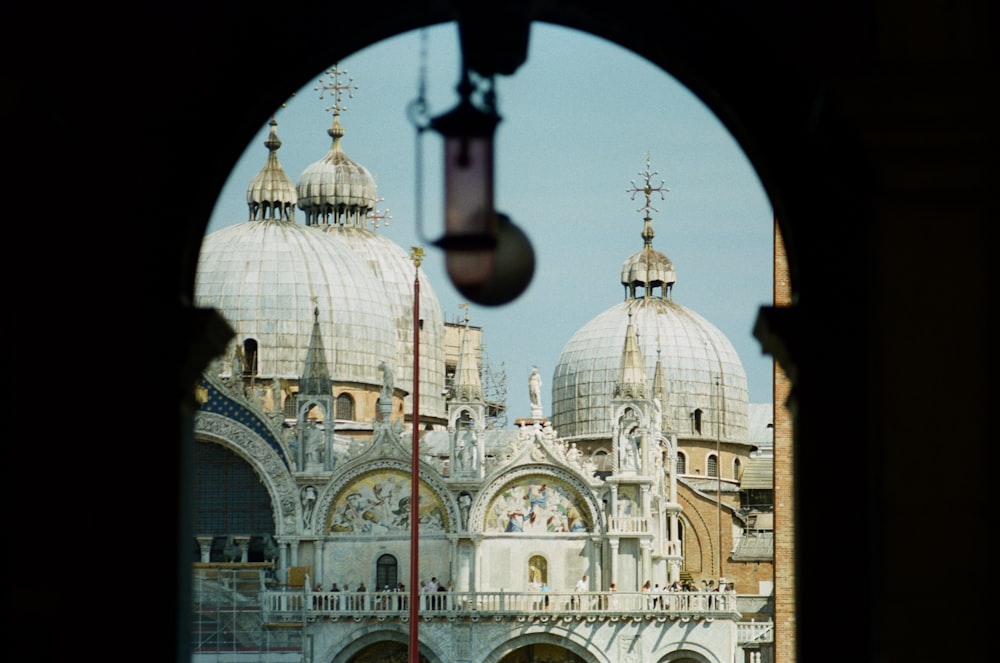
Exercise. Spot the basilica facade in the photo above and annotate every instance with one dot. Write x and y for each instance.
(644, 468)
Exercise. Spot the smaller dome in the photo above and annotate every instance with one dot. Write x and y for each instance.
(649, 269)
(271, 193)
(336, 189)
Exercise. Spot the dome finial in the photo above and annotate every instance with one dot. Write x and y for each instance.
(647, 269)
(336, 191)
(336, 90)
(648, 189)
(271, 193)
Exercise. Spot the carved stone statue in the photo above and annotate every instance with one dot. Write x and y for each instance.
(628, 449)
(387, 382)
(464, 502)
(535, 389)
(308, 502)
(315, 447)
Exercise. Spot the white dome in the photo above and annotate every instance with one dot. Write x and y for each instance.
(392, 267)
(692, 351)
(268, 277)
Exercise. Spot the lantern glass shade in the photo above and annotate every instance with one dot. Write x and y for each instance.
(470, 221)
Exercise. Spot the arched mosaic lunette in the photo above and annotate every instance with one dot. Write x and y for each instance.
(690, 652)
(480, 514)
(374, 497)
(377, 633)
(266, 463)
(554, 635)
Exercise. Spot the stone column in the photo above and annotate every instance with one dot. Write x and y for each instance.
(643, 454)
(644, 501)
(453, 566)
(613, 543)
(282, 571)
(476, 580)
(243, 541)
(480, 455)
(613, 508)
(463, 571)
(205, 545)
(674, 568)
(647, 559)
(596, 571)
(318, 561)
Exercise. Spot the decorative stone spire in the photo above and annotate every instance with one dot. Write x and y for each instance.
(336, 190)
(648, 269)
(316, 375)
(315, 419)
(271, 194)
(661, 394)
(631, 373)
(468, 384)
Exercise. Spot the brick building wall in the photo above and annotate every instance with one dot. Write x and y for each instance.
(784, 507)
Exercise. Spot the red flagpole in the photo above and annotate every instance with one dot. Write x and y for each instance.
(413, 653)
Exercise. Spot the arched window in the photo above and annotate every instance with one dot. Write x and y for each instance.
(681, 463)
(696, 421)
(386, 572)
(602, 463)
(345, 407)
(250, 357)
(713, 466)
(737, 467)
(291, 405)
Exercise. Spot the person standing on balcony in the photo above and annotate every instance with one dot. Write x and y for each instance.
(581, 586)
(432, 588)
(360, 601)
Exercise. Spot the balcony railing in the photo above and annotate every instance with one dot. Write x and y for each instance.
(753, 632)
(628, 525)
(298, 605)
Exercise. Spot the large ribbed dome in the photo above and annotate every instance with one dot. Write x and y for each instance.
(268, 277)
(391, 267)
(698, 364)
(692, 352)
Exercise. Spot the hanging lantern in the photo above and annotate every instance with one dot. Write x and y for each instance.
(470, 235)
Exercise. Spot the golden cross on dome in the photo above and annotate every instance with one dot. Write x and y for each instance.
(648, 190)
(336, 89)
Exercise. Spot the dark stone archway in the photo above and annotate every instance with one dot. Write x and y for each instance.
(868, 123)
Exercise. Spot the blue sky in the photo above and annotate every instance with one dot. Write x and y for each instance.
(579, 118)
